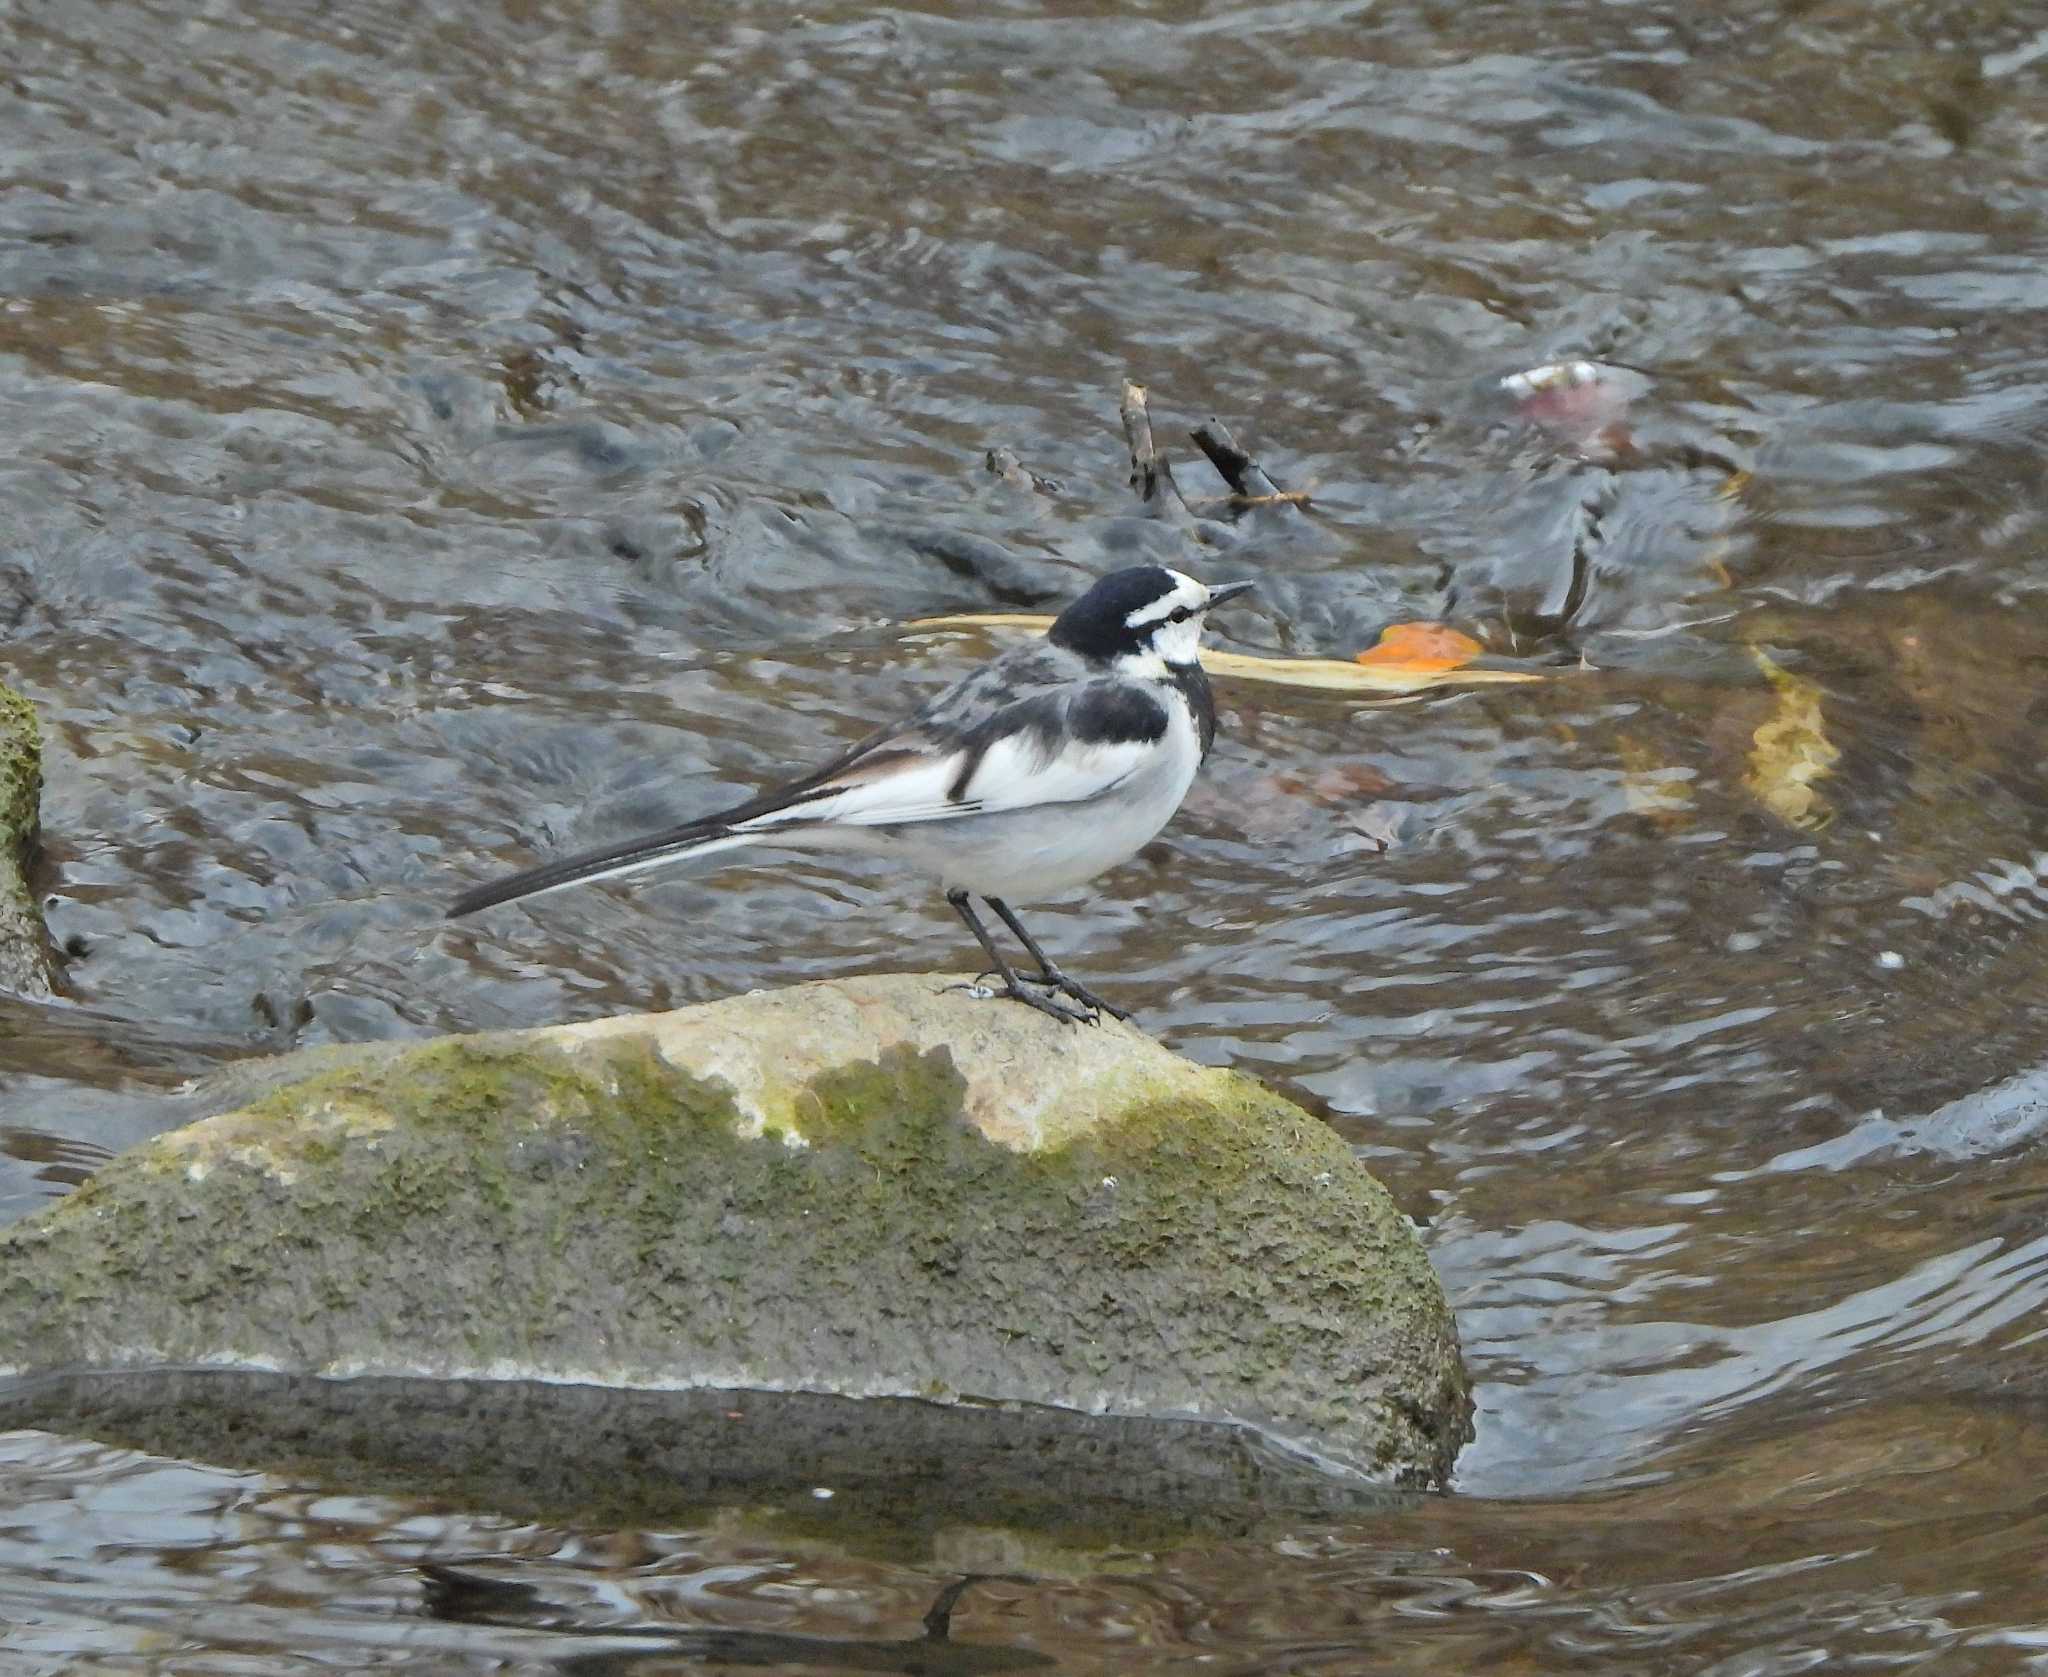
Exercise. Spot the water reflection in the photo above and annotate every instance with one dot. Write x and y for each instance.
(465, 1599)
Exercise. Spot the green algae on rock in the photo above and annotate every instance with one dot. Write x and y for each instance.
(875, 1187)
(24, 944)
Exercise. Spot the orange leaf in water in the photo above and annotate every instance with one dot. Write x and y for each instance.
(1422, 646)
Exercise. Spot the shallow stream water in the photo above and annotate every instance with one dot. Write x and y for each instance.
(445, 435)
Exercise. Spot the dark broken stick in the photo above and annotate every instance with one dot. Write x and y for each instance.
(1250, 486)
(1151, 476)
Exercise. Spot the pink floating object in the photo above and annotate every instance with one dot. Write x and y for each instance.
(1581, 403)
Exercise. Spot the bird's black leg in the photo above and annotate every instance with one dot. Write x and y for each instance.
(1012, 986)
(1049, 973)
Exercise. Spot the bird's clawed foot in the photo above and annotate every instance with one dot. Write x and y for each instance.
(1053, 979)
(1021, 991)
(1013, 988)
(1049, 976)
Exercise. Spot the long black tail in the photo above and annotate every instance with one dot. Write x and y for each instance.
(693, 838)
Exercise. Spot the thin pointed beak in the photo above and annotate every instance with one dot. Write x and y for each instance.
(1221, 591)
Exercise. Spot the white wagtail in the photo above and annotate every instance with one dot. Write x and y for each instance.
(1047, 765)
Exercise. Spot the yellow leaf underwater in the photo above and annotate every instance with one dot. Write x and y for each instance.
(1791, 751)
(1389, 675)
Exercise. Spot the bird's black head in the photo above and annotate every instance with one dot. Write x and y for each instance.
(1146, 613)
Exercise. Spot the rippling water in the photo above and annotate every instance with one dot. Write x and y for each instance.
(442, 435)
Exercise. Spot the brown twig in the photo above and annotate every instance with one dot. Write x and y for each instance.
(1282, 497)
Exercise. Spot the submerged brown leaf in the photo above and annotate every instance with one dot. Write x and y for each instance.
(1338, 785)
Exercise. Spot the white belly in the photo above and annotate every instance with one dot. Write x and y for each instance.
(1033, 852)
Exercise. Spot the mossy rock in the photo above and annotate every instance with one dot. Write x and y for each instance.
(872, 1187)
(24, 943)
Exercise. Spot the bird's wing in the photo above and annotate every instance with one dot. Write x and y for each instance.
(1017, 734)
(1062, 745)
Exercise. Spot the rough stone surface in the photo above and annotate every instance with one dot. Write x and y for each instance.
(24, 944)
(868, 1187)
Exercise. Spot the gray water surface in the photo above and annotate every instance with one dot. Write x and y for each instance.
(441, 436)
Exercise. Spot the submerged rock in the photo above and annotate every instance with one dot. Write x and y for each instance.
(871, 1187)
(24, 944)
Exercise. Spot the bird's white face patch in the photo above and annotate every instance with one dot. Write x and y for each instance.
(1172, 624)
